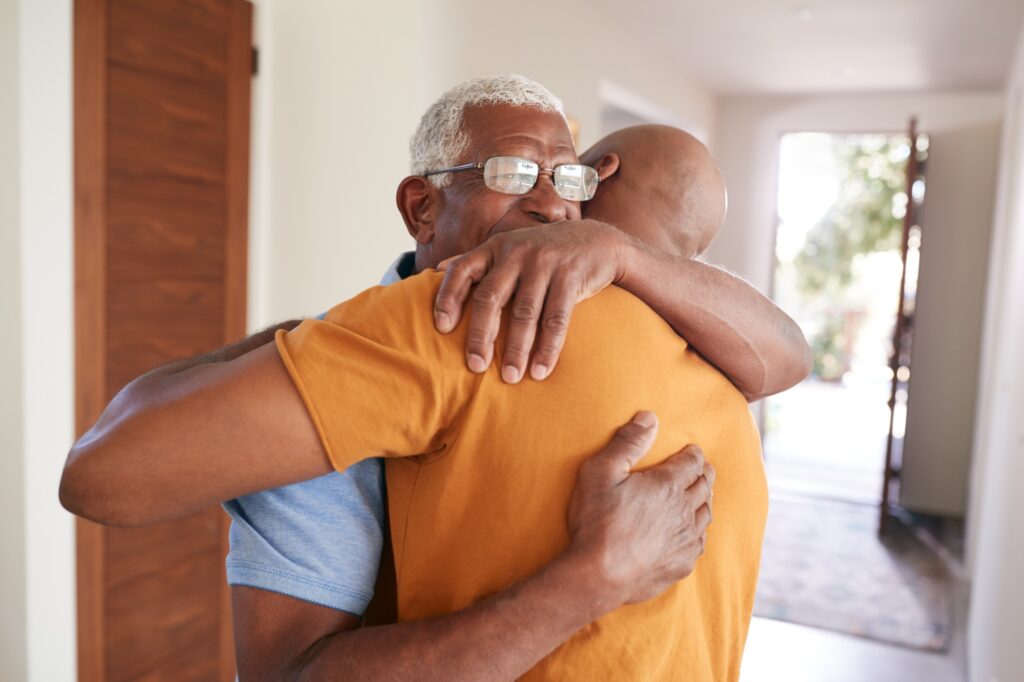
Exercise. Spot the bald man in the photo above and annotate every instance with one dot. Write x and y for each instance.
(663, 183)
(660, 186)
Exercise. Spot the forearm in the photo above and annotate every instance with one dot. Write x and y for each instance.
(734, 326)
(172, 443)
(499, 638)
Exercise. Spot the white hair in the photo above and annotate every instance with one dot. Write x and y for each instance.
(440, 140)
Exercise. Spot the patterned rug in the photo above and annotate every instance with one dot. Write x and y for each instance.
(824, 565)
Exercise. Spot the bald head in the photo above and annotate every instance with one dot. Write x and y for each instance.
(663, 187)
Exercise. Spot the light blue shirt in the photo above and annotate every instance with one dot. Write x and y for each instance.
(319, 540)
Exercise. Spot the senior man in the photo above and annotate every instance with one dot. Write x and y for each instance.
(240, 415)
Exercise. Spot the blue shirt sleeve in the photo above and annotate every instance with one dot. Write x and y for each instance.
(318, 540)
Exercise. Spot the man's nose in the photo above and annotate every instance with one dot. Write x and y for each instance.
(543, 203)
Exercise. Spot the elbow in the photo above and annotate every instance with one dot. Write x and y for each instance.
(83, 494)
(76, 493)
(73, 492)
(785, 375)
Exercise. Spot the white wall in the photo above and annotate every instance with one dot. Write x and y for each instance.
(749, 128)
(957, 222)
(35, 208)
(335, 102)
(748, 153)
(13, 652)
(341, 89)
(996, 517)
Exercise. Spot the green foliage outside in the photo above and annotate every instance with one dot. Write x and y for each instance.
(866, 217)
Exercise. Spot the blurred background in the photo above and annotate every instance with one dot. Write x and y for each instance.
(175, 173)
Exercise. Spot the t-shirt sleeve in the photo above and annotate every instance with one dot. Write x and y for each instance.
(318, 540)
(376, 377)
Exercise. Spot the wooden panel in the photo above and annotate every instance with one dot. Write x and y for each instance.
(237, 162)
(162, 164)
(186, 39)
(157, 306)
(240, 68)
(163, 228)
(133, 552)
(135, 352)
(164, 126)
(166, 619)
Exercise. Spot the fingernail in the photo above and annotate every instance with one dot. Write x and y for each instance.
(539, 372)
(510, 374)
(476, 363)
(645, 419)
(443, 321)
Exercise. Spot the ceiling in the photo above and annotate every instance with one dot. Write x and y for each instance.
(805, 46)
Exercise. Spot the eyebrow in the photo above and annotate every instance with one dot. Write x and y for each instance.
(533, 142)
(524, 138)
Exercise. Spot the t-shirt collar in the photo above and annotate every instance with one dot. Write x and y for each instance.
(404, 266)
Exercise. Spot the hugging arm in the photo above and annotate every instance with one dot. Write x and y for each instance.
(543, 272)
(202, 431)
(161, 450)
(191, 434)
(610, 561)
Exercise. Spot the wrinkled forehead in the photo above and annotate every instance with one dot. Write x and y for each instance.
(517, 130)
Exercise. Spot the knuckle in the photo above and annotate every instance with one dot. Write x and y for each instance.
(459, 266)
(514, 356)
(477, 338)
(486, 297)
(525, 311)
(512, 247)
(461, 270)
(556, 321)
(664, 480)
(548, 348)
(631, 436)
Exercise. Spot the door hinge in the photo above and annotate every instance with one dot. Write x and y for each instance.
(255, 60)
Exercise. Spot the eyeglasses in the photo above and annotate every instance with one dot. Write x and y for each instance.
(515, 175)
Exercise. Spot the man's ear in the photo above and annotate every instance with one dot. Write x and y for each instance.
(607, 165)
(418, 202)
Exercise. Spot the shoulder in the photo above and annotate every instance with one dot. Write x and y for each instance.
(617, 312)
(401, 312)
(381, 303)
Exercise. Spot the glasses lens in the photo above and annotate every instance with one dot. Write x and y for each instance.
(510, 174)
(575, 182)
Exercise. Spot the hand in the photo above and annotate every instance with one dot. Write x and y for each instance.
(644, 531)
(549, 269)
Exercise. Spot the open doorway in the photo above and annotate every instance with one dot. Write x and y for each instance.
(843, 231)
(842, 199)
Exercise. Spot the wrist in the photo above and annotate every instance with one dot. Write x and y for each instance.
(586, 583)
(631, 257)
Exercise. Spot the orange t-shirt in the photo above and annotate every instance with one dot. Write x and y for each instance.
(478, 500)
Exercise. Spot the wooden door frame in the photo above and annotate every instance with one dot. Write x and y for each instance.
(90, 215)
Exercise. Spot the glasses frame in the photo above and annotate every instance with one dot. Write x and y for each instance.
(540, 171)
